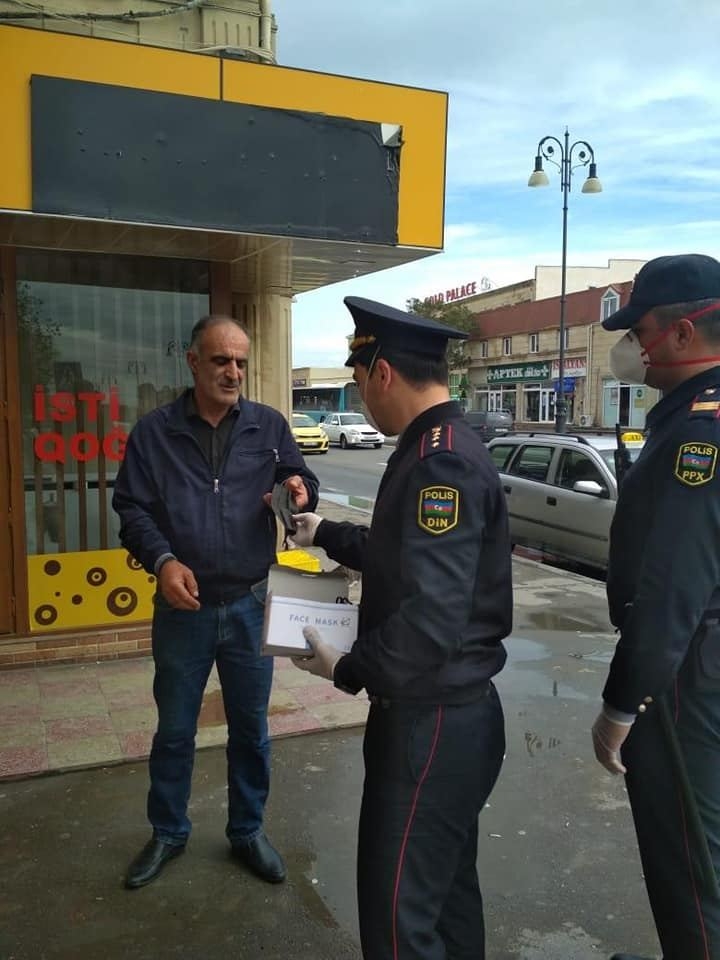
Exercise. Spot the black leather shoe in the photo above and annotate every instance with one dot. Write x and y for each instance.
(262, 858)
(628, 956)
(149, 862)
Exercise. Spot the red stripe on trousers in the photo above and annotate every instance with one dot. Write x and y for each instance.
(408, 827)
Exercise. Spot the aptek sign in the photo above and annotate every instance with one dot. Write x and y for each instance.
(518, 372)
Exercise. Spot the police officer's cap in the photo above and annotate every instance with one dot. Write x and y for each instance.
(667, 280)
(378, 325)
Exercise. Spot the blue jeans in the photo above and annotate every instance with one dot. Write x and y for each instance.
(185, 645)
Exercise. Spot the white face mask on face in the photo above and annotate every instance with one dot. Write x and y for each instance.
(628, 360)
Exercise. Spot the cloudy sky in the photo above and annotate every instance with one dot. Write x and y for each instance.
(638, 80)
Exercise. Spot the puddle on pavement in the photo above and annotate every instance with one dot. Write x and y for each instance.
(279, 710)
(522, 649)
(212, 712)
(596, 656)
(547, 620)
(522, 679)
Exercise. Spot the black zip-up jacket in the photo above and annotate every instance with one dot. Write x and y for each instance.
(169, 501)
(436, 569)
(663, 581)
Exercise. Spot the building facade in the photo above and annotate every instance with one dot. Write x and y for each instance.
(514, 362)
(242, 28)
(140, 188)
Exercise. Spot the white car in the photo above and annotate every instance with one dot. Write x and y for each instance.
(561, 491)
(351, 430)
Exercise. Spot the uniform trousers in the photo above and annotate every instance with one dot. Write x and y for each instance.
(687, 915)
(429, 770)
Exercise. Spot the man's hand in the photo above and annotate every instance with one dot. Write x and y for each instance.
(298, 491)
(608, 736)
(324, 657)
(178, 585)
(306, 525)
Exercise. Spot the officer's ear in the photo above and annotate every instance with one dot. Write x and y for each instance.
(384, 372)
(684, 332)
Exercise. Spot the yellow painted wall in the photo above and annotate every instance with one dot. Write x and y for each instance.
(86, 589)
(102, 588)
(422, 113)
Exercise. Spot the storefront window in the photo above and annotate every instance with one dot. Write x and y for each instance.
(102, 341)
(539, 403)
(504, 398)
(623, 403)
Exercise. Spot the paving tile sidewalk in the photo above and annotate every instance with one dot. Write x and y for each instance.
(61, 717)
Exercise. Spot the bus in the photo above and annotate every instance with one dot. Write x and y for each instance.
(318, 399)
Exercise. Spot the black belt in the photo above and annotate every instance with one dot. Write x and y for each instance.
(386, 702)
(226, 597)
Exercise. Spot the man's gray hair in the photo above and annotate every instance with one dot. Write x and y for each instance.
(213, 320)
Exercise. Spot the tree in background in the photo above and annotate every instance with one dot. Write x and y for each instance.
(454, 315)
(36, 340)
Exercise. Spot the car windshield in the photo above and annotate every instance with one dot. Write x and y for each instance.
(348, 418)
(302, 420)
(608, 454)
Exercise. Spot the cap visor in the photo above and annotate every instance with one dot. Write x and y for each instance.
(624, 318)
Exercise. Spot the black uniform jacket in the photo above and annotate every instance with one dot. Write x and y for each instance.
(437, 583)
(664, 569)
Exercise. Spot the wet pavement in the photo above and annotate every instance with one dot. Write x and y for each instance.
(557, 860)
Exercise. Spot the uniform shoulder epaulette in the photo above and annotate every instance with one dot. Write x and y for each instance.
(706, 404)
(438, 439)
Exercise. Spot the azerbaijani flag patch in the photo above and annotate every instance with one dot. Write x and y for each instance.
(438, 509)
(696, 463)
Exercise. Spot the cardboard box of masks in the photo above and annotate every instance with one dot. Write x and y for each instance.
(298, 599)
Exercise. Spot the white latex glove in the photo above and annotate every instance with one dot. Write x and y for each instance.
(306, 525)
(608, 736)
(324, 656)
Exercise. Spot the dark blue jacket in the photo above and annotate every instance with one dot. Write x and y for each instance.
(663, 579)
(170, 502)
(436, 565)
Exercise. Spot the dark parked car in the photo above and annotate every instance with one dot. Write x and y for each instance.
(490, 423)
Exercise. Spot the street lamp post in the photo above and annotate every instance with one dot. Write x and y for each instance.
(583, 153)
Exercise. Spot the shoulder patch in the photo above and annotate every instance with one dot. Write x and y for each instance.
(436, 440)
(696, 463)
(438, 509)
(706, 404)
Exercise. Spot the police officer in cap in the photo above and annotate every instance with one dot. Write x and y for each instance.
(436, 605)
(660, 722)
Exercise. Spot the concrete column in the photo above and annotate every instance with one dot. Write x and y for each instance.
(268, 319)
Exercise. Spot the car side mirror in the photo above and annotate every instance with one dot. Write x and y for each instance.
(591, 487)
